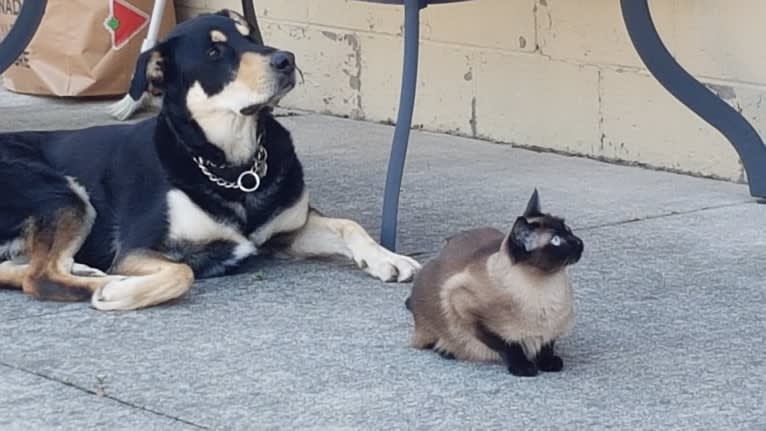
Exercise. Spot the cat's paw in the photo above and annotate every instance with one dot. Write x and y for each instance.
(551, 364)
(523, 370)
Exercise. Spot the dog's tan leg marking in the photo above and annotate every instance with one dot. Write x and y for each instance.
(153, 279)
(12, 274)
(45, 267)
(326, 237)
(50, 249)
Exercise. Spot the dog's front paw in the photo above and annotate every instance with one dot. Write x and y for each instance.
(388, 266)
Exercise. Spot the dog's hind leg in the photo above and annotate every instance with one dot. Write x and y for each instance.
(326, 237)
(153, 279)
(44, 219)
(52, 238)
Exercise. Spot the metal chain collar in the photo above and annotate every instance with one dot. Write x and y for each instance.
(254, 174)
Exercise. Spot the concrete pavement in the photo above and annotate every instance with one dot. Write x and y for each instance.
(670, 298)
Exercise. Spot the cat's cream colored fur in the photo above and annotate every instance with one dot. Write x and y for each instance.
(473, 281)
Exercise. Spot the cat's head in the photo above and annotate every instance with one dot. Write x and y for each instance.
(542, 241)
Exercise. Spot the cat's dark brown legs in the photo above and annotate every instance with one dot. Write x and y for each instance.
(517, 361)
(547, 360)
(446, 355)
(512, 353)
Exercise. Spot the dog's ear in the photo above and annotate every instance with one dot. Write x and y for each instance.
(152, 71)
(249, 29)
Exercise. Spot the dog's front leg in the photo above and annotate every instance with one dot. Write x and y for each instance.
(324, 236)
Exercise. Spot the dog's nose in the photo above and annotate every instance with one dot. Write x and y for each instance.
(283, 61)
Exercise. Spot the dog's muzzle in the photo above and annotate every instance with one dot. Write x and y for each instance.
(283, 65)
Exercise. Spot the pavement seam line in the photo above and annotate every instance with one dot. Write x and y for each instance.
(632, 220)
(665, 215)
(110, 397)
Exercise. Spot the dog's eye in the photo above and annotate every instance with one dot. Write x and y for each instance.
(556, 241)
(214, 52)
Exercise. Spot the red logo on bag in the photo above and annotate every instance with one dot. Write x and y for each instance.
(124, 22)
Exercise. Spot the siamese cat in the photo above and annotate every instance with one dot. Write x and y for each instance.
(489, 296)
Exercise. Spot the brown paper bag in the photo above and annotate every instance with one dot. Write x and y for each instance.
(83, 47)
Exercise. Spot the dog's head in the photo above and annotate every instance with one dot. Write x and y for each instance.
(213, 63)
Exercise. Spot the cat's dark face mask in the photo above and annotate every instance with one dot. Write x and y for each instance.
(543, 241)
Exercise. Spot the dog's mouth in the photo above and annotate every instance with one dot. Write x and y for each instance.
(252, 109)
(285, 84)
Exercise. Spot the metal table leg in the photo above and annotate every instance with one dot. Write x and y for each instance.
(403, 122)
(694, 95)
(248, 10)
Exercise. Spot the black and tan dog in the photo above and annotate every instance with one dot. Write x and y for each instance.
(129, 215)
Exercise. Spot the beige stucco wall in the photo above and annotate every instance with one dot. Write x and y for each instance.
(554, 74)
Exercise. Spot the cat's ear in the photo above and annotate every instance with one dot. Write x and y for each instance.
(521, 240)
(533, 206)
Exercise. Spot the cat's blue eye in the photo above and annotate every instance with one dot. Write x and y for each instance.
(556, 240)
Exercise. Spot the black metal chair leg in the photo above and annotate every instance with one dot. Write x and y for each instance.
(694, 95)
(403, 123)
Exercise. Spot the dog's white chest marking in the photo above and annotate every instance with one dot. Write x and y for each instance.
(188, 222)
(234, 134)
(289, 220)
